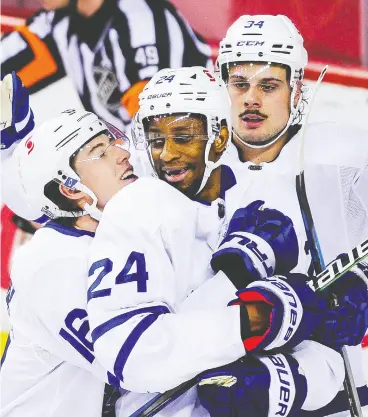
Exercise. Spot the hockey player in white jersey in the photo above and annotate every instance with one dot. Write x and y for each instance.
(49, 367)
(50, 324)
(262, 61)
(32, 181)
(145, 292)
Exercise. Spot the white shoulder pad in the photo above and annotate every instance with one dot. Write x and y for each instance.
(47, 249)
(148, 202)
(332, 143)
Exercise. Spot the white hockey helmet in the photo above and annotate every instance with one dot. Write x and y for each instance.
(189, 90)
(269, 39)
(45, 156)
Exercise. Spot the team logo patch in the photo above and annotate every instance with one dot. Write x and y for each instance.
(70, 182)
(107, 87)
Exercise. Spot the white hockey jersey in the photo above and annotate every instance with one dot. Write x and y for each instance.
(336, 176)
(158, 316)
(50, 367)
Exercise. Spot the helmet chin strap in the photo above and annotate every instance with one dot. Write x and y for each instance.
(210, 165)
(264, 145)
(90, 209)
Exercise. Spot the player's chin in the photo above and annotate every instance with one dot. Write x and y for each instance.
(181, 184)
(253, 135)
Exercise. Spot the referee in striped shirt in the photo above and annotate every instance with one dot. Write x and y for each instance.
(108, 48)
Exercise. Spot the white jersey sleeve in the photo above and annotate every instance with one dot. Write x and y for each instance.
(50, 362)
(52, 293)
(323, 369)
(141, 268)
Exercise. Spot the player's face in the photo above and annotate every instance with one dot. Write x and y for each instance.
(260, 96)
(103, 166)
(177, 147)
(54, 4)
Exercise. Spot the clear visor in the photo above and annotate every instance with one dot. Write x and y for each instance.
(171, 132)
(178, 128)
(265, 76)
(102, 146)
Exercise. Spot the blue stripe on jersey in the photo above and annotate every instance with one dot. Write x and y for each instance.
(228, 180)
(112, 380)
(122, 318)
(42, 219)
(130, 343)
(338, 404)
(70, 231)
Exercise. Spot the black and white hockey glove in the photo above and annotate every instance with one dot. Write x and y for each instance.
(259, 243)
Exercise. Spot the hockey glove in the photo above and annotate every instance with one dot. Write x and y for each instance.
(16, 115)
(295, 311)
(254, 386)
(347, 321)
(258, 243)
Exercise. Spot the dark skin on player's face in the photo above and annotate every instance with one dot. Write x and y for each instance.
(177, 144)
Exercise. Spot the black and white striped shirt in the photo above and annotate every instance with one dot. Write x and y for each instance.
(108, 56)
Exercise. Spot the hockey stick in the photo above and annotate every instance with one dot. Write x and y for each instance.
(326, 277)
(158, 402)
(336, 268)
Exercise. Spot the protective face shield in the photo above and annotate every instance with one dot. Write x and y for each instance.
(182, 92)
(265, 39)
(49, 153)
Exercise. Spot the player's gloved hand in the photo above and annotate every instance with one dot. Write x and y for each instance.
(295, 311)
(16, 116)
(346, 322)
(254, 386)
(258, 244)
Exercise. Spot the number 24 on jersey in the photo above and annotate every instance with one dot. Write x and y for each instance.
(105, 266)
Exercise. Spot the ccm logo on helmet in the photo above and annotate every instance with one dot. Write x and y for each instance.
(159, 95)
(250, 43)
(29, 145)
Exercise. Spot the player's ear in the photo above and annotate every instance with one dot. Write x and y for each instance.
(71, 194)
(298, 92)
(222, 139)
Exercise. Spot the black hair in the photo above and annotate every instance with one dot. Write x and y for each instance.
(198, 116)
(23, 224)
(52, 192)
(225, 72)
(146, 121)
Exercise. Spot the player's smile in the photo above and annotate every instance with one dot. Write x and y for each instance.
(128, 175)
(178, 144)
(175, 174)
